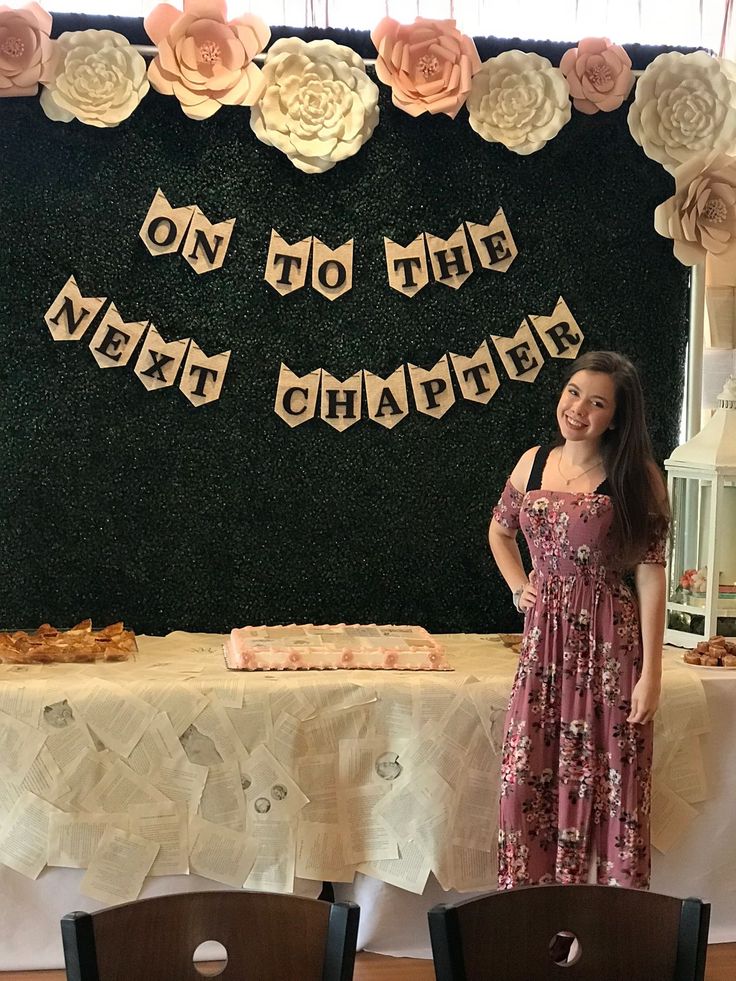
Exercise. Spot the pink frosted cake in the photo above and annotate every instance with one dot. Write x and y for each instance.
(309, 647)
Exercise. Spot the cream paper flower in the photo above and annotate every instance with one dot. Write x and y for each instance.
(27, 54)
(519, 100)
(685, 107)
(100, 79)
(700, 217)
(318, 107)
(203, 58)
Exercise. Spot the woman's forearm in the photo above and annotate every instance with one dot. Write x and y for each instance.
(508, 557)
(651, 590)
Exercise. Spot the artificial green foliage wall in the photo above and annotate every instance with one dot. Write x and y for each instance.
(119, 503)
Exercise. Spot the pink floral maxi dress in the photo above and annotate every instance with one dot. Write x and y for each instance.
(574, 774)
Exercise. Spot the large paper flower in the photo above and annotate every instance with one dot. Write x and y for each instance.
(519, 100)
(203, 59)
(701, 215)
(27, 55)
(598, 73)
(428, 64)
(684, 107)
(319, 106)
(99, 79)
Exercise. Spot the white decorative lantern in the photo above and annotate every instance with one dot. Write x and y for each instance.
(701, 571)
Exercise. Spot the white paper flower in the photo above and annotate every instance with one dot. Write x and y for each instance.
(318, 107)
(100, 79)
(519, 100)
(684, 107)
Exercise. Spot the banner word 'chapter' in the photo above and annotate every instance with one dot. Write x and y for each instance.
(114, 341)
(340, 403)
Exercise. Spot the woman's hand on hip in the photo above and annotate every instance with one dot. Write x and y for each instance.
(529, 593)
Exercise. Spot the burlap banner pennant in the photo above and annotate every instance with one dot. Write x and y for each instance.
(340, 405)
(560, 333)
(477, 375)
(388, 402)
(70, 314)
(114, 341)
(202, 377)
(407, 265)
(520, 354)
(296, 396)
(332, 269)
(158, 363)
(206, 244)
(286, 265)
(432, 388)
(164, 227)
(451, 262)
(494, 243)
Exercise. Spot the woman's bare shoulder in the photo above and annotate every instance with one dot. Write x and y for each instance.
(520, 474)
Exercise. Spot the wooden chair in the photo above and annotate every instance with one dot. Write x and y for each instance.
(622, 935)
(268, 937)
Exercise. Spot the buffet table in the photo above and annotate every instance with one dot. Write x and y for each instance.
(169, 773)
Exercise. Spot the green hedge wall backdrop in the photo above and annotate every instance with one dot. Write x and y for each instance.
(117, 503)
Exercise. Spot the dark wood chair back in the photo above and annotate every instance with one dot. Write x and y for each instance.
(267, 937)
(622, 934)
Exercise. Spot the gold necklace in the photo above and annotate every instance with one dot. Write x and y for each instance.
(569, 480)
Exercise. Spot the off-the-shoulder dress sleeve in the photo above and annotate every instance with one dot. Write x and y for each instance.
(506, 512)
(655, 553)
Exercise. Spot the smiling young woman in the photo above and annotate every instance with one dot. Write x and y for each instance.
(576, 764)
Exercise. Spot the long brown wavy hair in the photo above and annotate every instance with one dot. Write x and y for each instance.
(640, 506)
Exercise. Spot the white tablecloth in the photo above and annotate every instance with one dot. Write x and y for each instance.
(393, 921)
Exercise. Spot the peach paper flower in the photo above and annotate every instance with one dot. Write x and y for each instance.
(700, 217)
(27, 54)
(203, 59)
(428, 64)
(598, 73)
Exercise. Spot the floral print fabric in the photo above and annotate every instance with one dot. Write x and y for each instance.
(574, 773)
